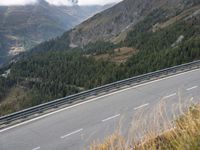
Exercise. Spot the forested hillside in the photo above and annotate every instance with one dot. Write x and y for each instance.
(53, 69)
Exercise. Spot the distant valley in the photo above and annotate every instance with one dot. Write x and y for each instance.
(23, 27)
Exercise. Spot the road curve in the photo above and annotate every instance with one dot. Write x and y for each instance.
(75, 127)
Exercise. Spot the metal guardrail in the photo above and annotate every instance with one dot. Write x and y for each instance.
(24, 114)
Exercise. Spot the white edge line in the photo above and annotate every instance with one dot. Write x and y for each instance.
(36, 148)
(139, 107)
(194, 87)
(111, 118)
(74, 132)
(88, 101)
(171, 95)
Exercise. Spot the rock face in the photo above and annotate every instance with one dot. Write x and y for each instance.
(111, 22)
(22, 27)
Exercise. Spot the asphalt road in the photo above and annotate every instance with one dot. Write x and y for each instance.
(75, 127)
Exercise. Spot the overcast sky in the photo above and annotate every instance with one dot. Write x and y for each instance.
(56, 2)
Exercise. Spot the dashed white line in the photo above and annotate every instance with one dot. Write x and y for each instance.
(192, 88)
(109, 118)
(36, 148)
(171, 95)
(74, 132)
(139, 107)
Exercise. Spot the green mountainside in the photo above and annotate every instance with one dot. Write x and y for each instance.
(53, 69)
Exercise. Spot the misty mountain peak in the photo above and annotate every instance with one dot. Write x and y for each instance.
(42, 2)
(51, 2)
(74, 1)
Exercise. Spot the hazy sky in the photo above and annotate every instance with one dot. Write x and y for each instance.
(56, 2)
(17, 2)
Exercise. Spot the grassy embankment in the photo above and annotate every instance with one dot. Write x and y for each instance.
(181, 134)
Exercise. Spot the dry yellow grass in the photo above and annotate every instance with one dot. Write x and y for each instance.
(11, 102)
(161, 134)
(120, 55)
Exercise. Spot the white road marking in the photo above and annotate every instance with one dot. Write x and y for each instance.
(36, 148)
(192, 88)
(139, 107)
(112, 117)
(94, 99)
(171, 95)
(74, 132)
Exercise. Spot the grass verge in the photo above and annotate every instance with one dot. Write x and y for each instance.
(183, 133)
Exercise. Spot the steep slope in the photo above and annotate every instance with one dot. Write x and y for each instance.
(113, 24)
(22, 27)
(124, 15)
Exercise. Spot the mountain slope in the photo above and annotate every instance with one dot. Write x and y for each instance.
(22, 27)
(110, 23)
(114, 23)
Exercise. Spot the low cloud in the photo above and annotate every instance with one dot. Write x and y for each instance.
(57, 2)
(60, 2)
(97, 2)
(17, 2)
